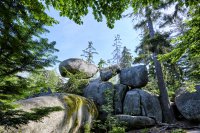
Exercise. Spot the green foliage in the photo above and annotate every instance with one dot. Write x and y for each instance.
(87, 128)
(21, 44)
(178, 131)
(14, 118)
(76, 83)
(45, 79)
(101, 63)
(190, 86)
(110, 124)
(108, 106)
(89, 52)
(188, 44)
(22, 47)
(75, 10)
(145, 130)
(111, 10)
(172, 73)
(172, 88)
(126, 58)
(152, 86)
(12, 88)
(117, 130)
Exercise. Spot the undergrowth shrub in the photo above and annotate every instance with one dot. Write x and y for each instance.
(76, 83)
(111, 123)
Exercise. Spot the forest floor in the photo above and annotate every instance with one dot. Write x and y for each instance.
(178, 127)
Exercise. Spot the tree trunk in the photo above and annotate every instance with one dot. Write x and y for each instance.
(168, 115)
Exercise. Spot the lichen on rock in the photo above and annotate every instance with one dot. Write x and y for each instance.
(77, 111)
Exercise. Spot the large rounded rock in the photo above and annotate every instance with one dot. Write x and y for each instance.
(97, 91)
(77, 111)
(135, 122)
(120, 92)
(131, 105)
(109, 72)
(188, 103)
(135, 77)
(141, 103)
(75, 65)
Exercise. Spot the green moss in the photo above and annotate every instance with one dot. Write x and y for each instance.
(87, 128)
(73, 104)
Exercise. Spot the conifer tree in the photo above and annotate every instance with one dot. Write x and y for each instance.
(117, 50)
(126, 59)
(101, 63)
(89, 52)
(22, 47)
(148, 17)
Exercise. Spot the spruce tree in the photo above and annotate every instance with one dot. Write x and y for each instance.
(101, 63)
(126, 59)
(89, 52)
(117, 50)
(148, 16)
(22, 47)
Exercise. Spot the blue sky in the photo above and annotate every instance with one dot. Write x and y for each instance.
(72, 38)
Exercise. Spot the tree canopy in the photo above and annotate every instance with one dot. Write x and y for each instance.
(22, 22)
(22, 48)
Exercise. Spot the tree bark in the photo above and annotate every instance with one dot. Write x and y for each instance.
(168, 115)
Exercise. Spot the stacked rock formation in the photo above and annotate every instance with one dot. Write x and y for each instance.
(133, 105)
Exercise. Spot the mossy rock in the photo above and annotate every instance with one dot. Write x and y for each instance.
(75, 113)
